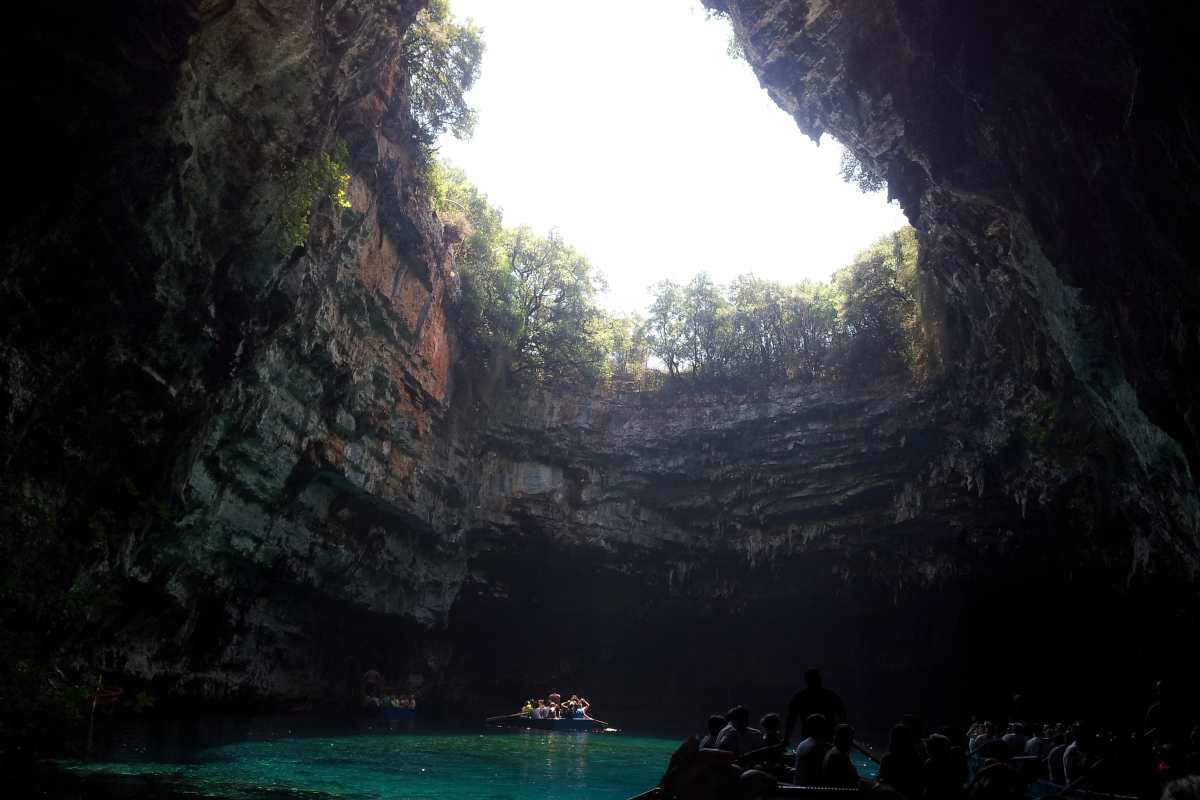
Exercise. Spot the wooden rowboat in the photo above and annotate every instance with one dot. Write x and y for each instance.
(524, 721)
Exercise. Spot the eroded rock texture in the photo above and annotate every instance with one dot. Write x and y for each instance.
(1045, 154)
(344, 493)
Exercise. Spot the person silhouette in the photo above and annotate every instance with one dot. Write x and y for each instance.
(814, 698)
(838, 769)
(737, 724)
(715, 723)
(811, 752)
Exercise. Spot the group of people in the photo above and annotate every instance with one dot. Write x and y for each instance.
(986, 761)
(390, 700)
(376, 695)
(554, 707)
(822, 757)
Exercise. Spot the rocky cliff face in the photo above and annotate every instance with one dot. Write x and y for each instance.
(1043, 153)
(164, 340)
(342, 494)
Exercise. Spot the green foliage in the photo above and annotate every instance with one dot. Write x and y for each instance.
(528, 302)
(140, 702)
(752, 329)
(879, 308)
(866, 321)
(305, 183)
(558, 325)
(528, 309)
(443, 57)
(623, 338)
(665, 329)
(858, 173)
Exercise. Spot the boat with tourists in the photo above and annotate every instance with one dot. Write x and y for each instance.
(1013, 774)
(391, 705)
(554, 714)
(524, 721)
(387, 702)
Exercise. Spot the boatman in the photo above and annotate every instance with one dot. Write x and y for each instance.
(813, 699)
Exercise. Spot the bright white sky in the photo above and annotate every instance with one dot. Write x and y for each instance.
(625, 125)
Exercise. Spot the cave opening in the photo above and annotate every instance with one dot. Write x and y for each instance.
(286, 401)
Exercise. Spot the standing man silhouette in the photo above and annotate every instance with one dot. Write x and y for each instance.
(813, 699)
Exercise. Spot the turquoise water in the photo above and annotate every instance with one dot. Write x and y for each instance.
(514, 765)
(518, 765)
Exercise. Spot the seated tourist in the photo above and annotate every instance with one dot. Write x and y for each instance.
(737, 723)
(1076, 758)
(771, 727)
(837, 769)
(1167, 718)
(1015, 739)
(984, 732)
(750, 739)
(1039, 744)
(945, 772)
(695, 773)
(913, 723)
(901, 767)
(715, 723)
(1054, 761)
(810, 753)
(988, 746)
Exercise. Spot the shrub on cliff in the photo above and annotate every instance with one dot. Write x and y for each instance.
(443, 57)
(306, 182)
(865, 322)
(528, 304)
(880, 311)
(857, 173)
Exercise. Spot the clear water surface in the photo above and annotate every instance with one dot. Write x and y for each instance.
(496, 765)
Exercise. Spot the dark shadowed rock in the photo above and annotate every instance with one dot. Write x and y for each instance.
(342, 494)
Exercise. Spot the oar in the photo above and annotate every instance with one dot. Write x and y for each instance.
(866, 752)
(504, 716)
(602, 722)
(761, 754)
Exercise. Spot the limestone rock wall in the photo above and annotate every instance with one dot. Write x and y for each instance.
(165, 345)
(290, 477)
(1043, 154)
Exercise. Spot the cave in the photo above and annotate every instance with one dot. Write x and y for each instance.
(283, 474)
